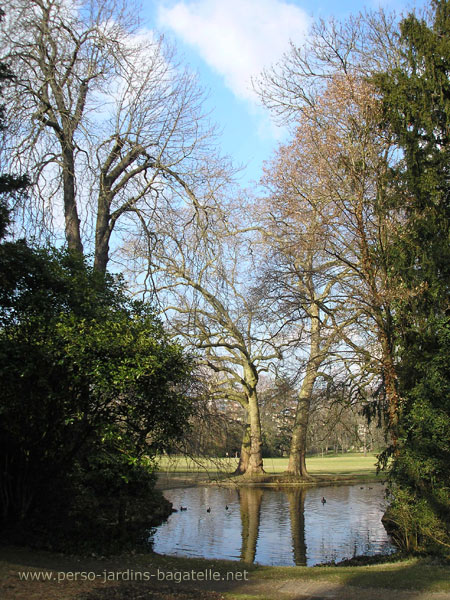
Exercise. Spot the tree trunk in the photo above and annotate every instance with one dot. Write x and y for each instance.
(390, 384)
(255, 465)
(297, 454)
(244, 457)
(71, 219)
(102, 236)
(251, 461)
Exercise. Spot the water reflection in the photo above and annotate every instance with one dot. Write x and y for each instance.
(275, 527)
(296, 499)
(250, 504)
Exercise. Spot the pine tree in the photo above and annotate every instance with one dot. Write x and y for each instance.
(416, 101)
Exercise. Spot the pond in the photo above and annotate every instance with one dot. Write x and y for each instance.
(269, 526)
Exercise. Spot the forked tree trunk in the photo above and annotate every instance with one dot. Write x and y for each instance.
(251, 462)
(255, 464)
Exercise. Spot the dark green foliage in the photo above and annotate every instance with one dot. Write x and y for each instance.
(91, 387)
(417, 109)
(107, 503)
(420, 472)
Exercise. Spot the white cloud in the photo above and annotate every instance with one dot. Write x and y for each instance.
(236, 38)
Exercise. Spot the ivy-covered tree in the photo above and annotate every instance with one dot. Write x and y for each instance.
(416, 101)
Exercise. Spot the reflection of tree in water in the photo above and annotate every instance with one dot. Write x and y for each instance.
(296, 498)
(250, 503)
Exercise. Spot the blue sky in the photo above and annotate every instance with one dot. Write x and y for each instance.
(229, 41)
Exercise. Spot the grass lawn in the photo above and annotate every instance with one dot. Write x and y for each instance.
(179, 471)
(341, 464)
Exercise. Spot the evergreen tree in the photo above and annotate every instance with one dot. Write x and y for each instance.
(416, 100)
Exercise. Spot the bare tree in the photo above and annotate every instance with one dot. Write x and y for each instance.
(110, 123)
(353, 159)
(340, 162)
(302, 284)
(202, 273)
(360, 45)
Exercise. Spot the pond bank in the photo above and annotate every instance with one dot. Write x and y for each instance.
(287, 480)
(405, 580)
(167, 481)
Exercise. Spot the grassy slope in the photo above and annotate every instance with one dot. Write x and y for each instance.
(413, 574)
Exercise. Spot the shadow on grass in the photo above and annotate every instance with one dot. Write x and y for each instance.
(421, 575)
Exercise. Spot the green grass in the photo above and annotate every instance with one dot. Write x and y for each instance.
(407, 574)
(341, 464)
(412, 574)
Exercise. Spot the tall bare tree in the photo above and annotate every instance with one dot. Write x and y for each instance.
(302, 283)
(341, 161)
(110, 122)
(203, 272)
